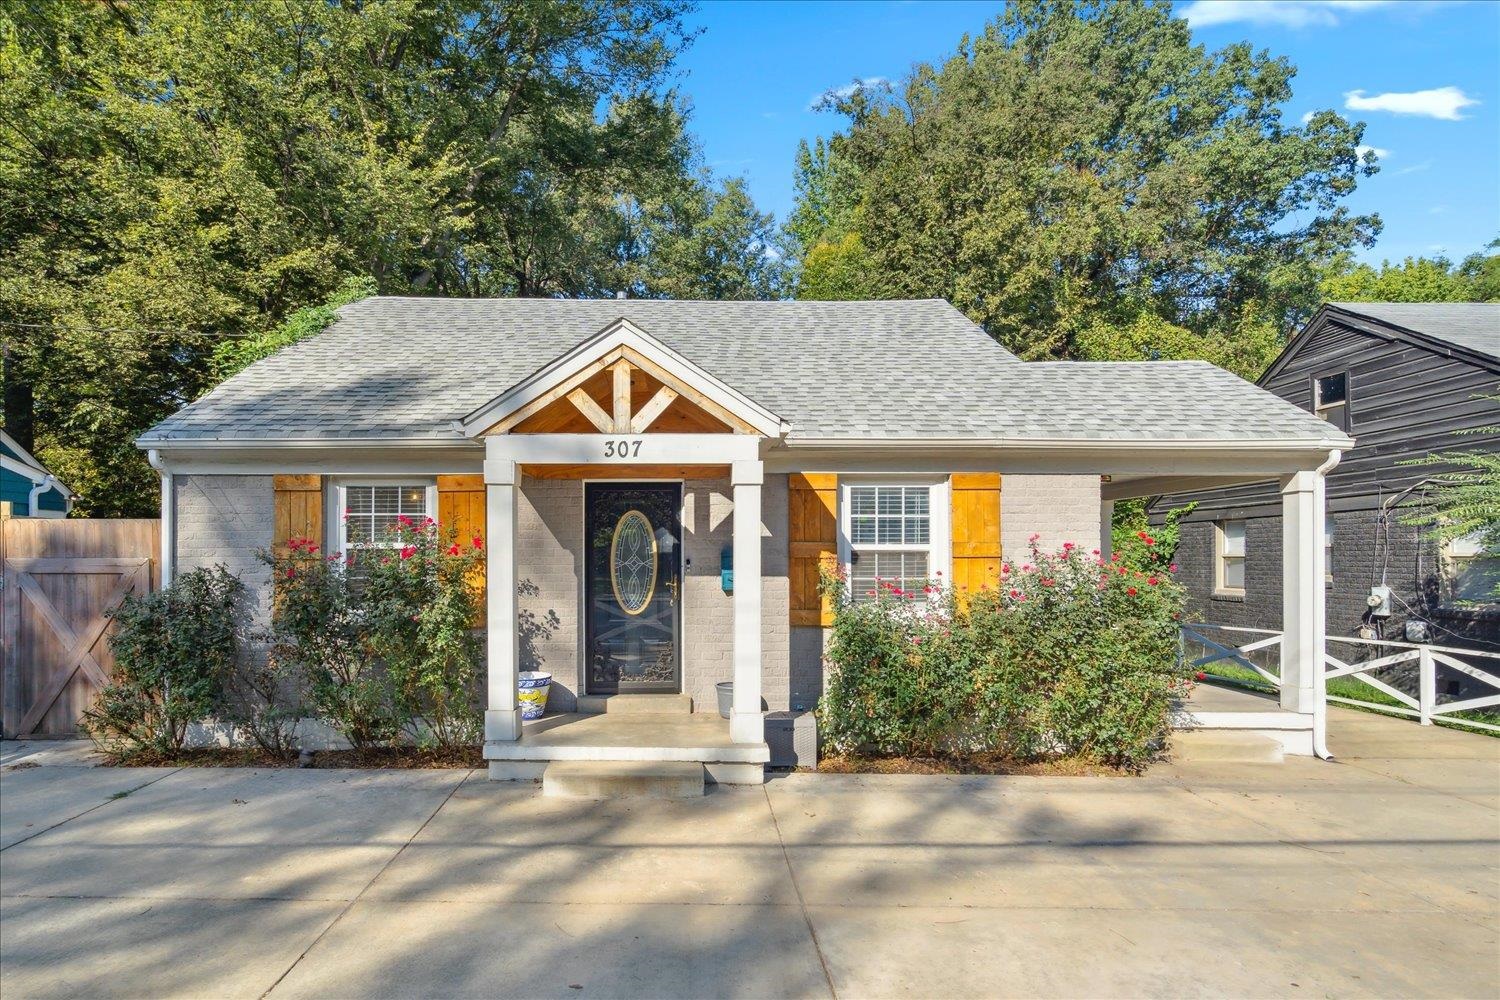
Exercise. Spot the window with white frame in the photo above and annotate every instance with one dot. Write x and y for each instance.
(370, 510)
(1331, 399)
(1229, 557)
(1327, 550)
(1471, 570)
(896, 535)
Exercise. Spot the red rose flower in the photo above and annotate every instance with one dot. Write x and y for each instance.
(1152, 580)
(453, 549)
(477, 542)
(408, 551)
(1131, 591)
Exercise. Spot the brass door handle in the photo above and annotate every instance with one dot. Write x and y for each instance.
(672, 586)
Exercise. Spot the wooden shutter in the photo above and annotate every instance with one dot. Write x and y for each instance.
(812, 516)
(299, 510)
(976, 530)
(461, 508)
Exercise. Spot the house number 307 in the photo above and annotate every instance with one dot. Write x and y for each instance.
(622, 449)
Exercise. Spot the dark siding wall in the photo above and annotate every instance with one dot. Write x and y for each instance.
(1406, 401)
(1361, 552)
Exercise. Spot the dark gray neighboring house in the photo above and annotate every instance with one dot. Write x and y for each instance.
(1402, 379)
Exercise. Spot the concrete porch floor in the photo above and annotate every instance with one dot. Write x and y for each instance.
(573, 736)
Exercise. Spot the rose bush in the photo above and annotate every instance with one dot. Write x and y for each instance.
(1066, 655)
(382, 640)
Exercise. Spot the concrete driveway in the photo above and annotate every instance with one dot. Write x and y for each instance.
(1375, 876)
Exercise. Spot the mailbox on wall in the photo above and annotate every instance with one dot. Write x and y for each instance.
(726, 569)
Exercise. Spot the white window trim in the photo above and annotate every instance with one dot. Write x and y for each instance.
(338, 503)
(1451, 565)
(939, 525)
(1324, 411)
(1220, 589)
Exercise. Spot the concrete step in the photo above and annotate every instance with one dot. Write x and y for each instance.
(623, 779)
(1241, 746)
(635, 704)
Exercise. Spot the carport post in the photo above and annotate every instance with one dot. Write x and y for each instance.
(1303, 613)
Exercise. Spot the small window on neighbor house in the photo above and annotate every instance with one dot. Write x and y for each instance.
(1229, 559)
(1331, 399)
(891, 531)
(1471, 572)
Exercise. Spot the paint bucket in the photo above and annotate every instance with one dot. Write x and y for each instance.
(725, 691)
(531, 689)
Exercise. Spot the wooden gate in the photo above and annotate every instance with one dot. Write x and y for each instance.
(61, 579)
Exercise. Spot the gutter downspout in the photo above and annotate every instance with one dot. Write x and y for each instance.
(42, 486)
(1320, 680)
(168, 518)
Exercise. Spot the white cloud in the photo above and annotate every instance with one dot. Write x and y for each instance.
(1415, 168)
(1380, 154)
(1440, 102)
(1281, 13)
(847, 90)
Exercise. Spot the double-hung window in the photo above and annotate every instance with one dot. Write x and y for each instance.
(1331, 399)
(1229, 558)
(895, 534)
(369, 510)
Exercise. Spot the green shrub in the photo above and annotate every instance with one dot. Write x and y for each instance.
(384, 647)
(1066, 655)
(175, 650)
(423, 605)
(319, 640)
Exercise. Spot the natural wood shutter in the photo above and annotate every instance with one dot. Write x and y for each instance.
(299, 510)
(461, 508)
(812, 515)
(976, 530)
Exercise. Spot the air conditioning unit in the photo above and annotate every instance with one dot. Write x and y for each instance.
(1418, 631)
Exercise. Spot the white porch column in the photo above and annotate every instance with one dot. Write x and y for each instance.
(1303, 613)
(746, 723)
(502, 719)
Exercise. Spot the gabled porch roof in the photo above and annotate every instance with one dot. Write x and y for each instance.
(621, 345)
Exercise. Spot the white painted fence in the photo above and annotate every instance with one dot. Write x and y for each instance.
(1259, 650)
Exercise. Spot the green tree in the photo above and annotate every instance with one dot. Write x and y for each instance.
(172, 174)
(1416, 279)
(1079, 160)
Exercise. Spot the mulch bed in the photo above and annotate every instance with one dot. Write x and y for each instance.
(399, 758)
(977, 764)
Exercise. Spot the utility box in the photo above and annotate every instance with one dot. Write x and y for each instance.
(1379, 602)
(793, 739)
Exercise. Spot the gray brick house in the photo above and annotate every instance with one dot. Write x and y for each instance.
(658, 482)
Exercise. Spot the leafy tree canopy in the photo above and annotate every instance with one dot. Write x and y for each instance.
(1419, 279)
(175, 173)
(1081, 163)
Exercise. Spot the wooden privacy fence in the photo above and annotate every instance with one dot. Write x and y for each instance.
(60, 580)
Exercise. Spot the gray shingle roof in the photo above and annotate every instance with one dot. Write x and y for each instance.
(1471, 325)
(408, 367)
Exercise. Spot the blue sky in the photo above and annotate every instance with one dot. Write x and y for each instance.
(1406, 68)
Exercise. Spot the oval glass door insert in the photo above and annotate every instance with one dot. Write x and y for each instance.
(632, 562)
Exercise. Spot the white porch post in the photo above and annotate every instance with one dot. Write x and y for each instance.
(746, 723)
(1303, 613)
(502, 719)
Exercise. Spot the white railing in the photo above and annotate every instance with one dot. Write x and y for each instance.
(1260, 652)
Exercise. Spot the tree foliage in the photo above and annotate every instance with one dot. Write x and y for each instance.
(1079, 164)
(175, 173)
(1417, 279)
